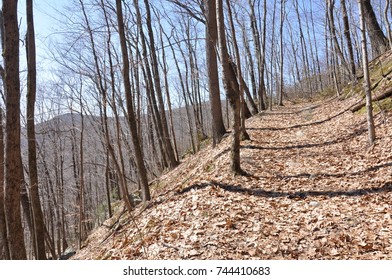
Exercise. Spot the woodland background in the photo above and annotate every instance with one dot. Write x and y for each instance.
(133, 88)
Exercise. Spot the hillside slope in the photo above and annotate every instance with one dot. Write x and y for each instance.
(314, 190)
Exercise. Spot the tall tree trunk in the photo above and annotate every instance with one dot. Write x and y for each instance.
(273, 54)
(333, 34)
(102, 89)
(82, 206)
(218, 127)
(296, 74)
(304, 51)
(238, 72)
(262, 89)
(38, 221)
(320, 81)
(152, 98)
(259, 44)
(167, 91)
(388, 24)
(231, 90)
(378, 41)
(131, 113)
(13, 167)
(282, 17)
(4, 251)
(367, 85)
(166, 138)
(347, 34)
(184, 91)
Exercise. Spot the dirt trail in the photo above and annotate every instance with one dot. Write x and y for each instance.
(314, 190)
(321, 147)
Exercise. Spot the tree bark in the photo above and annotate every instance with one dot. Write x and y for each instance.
(347, 34)
(282, 17)
(238, 73)
(259, 44)
(166, 138)
(218, 127)
(4, 251)
(332, 28)
(231, 91)
(13, 167)
(378, 41)
(367, 86)
(38, 220)
(131, 113)
(387, 22)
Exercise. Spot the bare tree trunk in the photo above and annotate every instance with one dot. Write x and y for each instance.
(273, 54)
(151, 94)
(165, 70)
(218, 127)
(320, 81)
(347, 34)
(119, 167)
(238, 72)
(4, 251)
(388, 24)
(304, 51)
(259, 44)
(334, 42)
(295, 57)
(107, 182)
(184, 91)
(131, 114)
(367, 86)
(38, 222)
(378, 41)
(231, 91)
(166, 139)
(13, 167)
(82, 211)
(282, 17)
(262, 88)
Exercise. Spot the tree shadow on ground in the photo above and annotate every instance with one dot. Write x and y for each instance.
(282, 113)
(299, 125)
(335, 175)
(387, 187)
(345, 138)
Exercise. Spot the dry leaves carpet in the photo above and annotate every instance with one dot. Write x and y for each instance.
(314, 189)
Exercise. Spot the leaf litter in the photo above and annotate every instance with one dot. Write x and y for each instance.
(313, 189)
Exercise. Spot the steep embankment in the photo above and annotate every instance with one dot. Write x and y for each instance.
(314, 190)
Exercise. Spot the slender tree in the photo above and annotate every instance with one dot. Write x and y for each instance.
(378, 41)
(387, 21)
(38, 221)
(232, 93)
(4, 252)
(238, 73)
(13, 168)
(281, 57)
(158, 90)
(259, 41)
(131, 113)
(347, 34)
(367, 85)
(218, 127)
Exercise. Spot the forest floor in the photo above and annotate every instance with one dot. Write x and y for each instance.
(314, 189)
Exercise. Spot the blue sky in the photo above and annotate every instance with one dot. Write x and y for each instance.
(46, 15)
